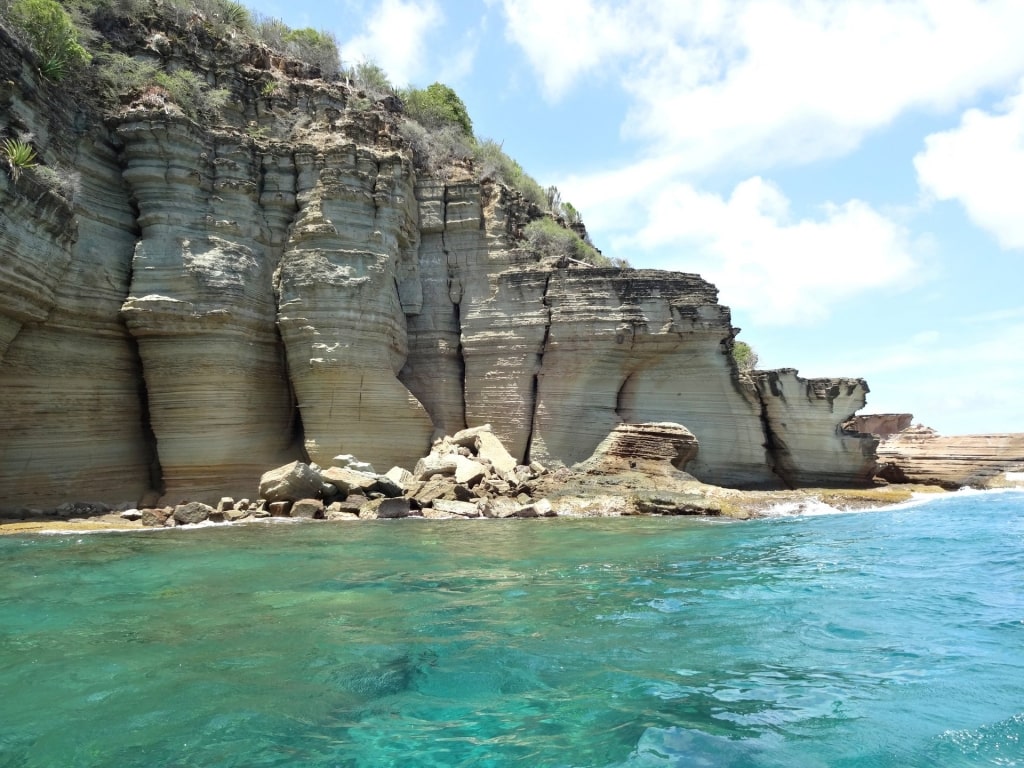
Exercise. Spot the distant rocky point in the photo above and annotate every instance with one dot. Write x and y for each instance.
(919, 454)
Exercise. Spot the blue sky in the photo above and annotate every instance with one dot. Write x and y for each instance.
(849, 173)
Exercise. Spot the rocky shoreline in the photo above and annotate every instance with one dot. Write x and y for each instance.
(637, 470)
(721, 502)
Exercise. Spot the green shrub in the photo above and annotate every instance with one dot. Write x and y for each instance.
(745, 356)
(436, 150)
(437, 106)
(52, 34)
(118, 74)
(192, 94)
(318, 48)
(369, 77)
(551, 240)
(19, 156)
(572, 216)
(493, 163)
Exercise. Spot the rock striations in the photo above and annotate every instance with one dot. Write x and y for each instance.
(919, 454)
(282, 284)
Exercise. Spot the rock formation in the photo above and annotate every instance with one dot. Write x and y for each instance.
(882, 425)
(282, 283)
(919, 454)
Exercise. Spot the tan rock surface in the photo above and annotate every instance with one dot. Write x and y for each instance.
(201, 307)
(805, 418)
(74, 420)
(654, 449)
(881, 424)
(921, 455)
(280, 283)
(341, 316)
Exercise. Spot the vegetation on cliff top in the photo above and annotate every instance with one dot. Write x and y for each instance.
(744, 356)
(73, 41)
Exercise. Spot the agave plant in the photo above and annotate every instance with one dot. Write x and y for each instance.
(19, 156)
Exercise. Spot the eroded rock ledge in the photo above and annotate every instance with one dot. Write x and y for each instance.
(283, 285)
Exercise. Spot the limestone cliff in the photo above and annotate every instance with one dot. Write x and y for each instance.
(281, 282)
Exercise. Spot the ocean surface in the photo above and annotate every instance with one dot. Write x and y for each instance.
(880, 638)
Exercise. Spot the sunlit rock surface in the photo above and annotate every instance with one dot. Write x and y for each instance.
(213, 298)
(350, 258)
(71, 393)
(919, 454)
(804, 420)
(201, 307)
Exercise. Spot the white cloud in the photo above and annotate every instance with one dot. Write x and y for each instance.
(957, 386)
(981, 165)
(394, 38)
(781, 270)
(755, 83)
(564, 39)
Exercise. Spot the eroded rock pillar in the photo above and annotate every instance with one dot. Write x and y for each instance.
(202, 309)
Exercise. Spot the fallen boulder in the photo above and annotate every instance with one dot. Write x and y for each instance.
(291, 482)
(311, 509)
(192, 513)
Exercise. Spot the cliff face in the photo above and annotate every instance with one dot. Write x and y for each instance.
(220, 297)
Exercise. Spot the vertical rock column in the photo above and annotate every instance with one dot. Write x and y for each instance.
(341, 314)
(588, 354)
(202, 310)
(804, 418)
(697, 385)
(503, 315)
(37, 234)
(70, 381)
(454, 271)
(503, 344)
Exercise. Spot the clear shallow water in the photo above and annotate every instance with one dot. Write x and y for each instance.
(891, 638)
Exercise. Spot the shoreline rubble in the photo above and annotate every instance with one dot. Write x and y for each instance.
(470, 475)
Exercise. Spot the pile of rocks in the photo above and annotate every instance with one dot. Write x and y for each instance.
(466, 475)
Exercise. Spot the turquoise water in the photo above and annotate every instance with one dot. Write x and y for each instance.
(889, 638)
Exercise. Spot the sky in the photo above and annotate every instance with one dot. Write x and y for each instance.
(848, 173)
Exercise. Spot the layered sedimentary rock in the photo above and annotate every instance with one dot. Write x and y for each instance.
(805, 425)
(919, 454)
(650, 448)
(350, 258)
(282, 283)
(201, 306)
(74, 420)
(882, 425)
